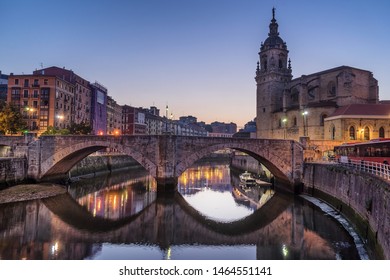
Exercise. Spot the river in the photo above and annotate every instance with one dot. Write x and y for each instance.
(121, 216)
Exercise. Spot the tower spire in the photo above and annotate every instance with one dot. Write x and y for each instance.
(273, 13)
(273, 26)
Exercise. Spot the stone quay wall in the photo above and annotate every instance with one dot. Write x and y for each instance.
(94, 164)
(362, 198)
(12, 171)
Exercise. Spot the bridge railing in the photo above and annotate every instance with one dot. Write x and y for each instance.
(379, 169)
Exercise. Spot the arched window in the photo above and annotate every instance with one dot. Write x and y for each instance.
(333, 133)
(322, 120)
(331, 88)
(352, 133)
(381, 132)
(366, 134)
(294, 96)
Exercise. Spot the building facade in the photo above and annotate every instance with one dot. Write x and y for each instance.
(133, 121)
(114, 117)
(3, 87)
(98, 109)
(43, 100)
(81, 105)
(292, 108)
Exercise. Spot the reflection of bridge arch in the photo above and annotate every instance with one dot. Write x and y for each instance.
(165, 157)
(73, 214)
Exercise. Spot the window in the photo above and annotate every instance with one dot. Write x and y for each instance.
(26, 82)
(25, 93)
(381, 132)
(352, 133)
(366, 133)
(331, 88)
(322, 120)
(46, 82)
(294, 96)
(35, 94)
(295, 121)
(333, 133)
(16, 81)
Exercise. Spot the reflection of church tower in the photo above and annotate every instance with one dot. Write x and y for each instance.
(272, 73)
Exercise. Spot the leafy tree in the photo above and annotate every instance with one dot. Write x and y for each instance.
(55, 131)
(82, 128)
(11, 121)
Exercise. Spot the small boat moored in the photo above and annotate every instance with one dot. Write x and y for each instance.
(247, 178)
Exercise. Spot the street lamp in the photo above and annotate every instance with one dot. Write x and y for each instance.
(304, 113)
(284, 127)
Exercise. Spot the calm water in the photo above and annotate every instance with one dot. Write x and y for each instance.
(211, 217)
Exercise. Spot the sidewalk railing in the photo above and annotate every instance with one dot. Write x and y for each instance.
(376, 168)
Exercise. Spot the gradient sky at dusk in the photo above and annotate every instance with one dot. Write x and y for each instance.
(196, 56)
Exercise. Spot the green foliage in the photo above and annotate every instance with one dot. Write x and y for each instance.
(73, 129)
(55, 131)
(82, 128)
(11, 121)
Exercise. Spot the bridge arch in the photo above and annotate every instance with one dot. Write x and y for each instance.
(277, 161)
(62, 160)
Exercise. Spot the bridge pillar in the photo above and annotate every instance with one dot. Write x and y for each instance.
(166, 184)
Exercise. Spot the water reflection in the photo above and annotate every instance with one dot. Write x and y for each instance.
(203, 185)
(119, 199)
(126, 220)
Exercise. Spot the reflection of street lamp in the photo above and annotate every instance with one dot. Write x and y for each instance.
(284, 127)
(304, 123)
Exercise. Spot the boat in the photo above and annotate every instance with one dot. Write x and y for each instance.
(247, 179)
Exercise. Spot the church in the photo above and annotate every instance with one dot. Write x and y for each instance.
(339, 104)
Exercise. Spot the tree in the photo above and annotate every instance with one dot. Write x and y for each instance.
(55, 131)
(11, 121)
(82, 128)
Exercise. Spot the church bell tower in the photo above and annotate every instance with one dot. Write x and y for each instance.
(272, 74)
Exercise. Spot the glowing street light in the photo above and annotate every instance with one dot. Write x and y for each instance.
(304, 114)
(284, 121)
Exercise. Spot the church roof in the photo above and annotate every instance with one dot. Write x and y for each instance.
(273, 39)
(362, 110)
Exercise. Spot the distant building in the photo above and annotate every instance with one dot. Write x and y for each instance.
(154, 123)
(81, 104)
(224, 128)
(133, 121)
(249, 130)
(3, 86)
(43, 100)
(98, 109)
(188, 119)
(114, 117)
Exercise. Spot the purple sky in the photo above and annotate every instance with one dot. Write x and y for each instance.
(196, 56)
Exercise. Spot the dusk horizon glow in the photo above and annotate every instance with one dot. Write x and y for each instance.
(198, 57)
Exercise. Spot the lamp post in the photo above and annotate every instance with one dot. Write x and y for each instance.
(304, 113)
(284, 127)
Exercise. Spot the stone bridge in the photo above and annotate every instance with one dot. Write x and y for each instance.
(165, 157)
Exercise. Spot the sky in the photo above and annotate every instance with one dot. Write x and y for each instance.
(196, 56)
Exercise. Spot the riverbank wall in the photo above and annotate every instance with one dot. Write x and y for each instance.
(12, 171)
(362, 198)
(96, 164)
